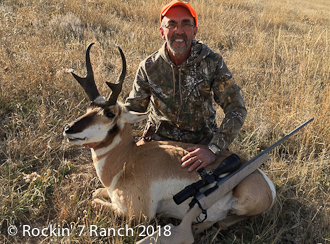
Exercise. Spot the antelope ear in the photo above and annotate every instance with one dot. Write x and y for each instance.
(134, 117)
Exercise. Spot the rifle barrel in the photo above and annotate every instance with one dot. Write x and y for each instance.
(281, 140)
(221, 181)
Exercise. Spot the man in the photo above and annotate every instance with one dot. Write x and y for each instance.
(180, 81)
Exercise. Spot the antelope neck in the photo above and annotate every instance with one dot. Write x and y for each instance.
(110, 156)
(119, 139)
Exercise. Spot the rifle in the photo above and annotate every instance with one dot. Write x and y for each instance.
(182, 234)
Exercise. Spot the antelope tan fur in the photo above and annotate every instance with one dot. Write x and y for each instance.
(143, 179)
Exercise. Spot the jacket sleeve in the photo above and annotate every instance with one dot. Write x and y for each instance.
(139, 98)
(227, 94)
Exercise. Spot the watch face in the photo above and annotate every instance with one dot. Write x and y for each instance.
(214, 149)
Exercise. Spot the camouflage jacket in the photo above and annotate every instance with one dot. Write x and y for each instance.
(181, 96)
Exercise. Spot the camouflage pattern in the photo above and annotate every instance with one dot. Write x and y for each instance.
(181, 97)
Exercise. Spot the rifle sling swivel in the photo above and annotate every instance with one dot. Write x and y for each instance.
(192, 203)
(199, 220)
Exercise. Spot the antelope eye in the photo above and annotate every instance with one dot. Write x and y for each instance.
(110, 115)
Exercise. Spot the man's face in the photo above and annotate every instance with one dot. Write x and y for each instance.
(178, 39)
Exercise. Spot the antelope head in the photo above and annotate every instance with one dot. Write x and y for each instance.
(104, 116)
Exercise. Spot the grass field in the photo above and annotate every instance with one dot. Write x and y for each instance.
(278, 51)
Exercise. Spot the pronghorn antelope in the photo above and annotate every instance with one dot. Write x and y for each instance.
(143, 179)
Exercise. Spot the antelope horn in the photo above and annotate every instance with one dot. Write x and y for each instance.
(88, 82)
(116, 88)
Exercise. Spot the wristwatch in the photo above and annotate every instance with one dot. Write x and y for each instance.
(215, 149)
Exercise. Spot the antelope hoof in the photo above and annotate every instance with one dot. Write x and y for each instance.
(101, 193)
(100, 205)
(104, 206)
(97, 204)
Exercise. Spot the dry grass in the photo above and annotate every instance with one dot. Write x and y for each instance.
(278, 51)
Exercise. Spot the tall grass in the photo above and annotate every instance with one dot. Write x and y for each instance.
(278, 52)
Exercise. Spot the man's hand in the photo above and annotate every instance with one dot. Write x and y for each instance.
(197, 158)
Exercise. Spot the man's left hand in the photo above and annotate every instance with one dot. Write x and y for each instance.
(197, 158)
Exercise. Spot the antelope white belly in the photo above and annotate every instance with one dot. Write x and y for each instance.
(162, 193)
(217, 212)
(271, 186)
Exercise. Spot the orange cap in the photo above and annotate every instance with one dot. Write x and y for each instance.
(174, 3)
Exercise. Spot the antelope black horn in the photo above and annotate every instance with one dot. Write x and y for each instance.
(88, 82)
(116, 88)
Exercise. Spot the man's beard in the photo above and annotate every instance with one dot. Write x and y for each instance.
(176, 50)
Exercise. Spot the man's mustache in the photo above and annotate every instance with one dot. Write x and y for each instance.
(179, 36)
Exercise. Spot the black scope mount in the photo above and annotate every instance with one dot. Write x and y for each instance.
(228, 165)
